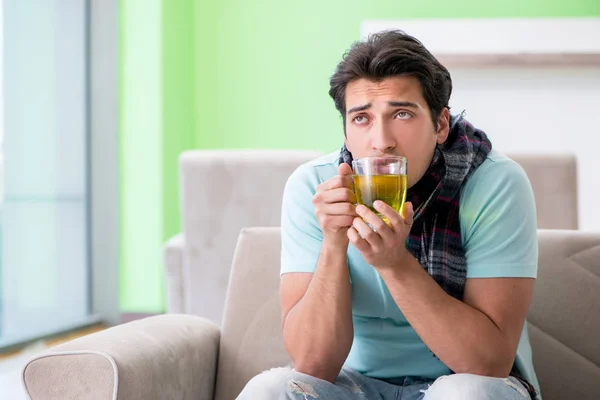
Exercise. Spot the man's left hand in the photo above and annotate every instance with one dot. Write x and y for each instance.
(383, 246)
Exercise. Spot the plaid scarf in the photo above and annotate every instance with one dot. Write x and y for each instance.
(435, 237)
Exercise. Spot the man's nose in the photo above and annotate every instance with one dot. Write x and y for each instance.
(383, 140)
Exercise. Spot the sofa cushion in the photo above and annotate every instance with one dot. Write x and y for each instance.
(251, 340)
(564, 317)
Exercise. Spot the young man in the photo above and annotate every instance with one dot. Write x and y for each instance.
(432, 306)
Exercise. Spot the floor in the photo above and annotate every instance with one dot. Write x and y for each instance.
(11, 364)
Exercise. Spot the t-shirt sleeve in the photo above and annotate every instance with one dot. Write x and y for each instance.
(499, 218)
(301, 235)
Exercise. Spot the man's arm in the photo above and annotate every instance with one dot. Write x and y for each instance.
(317, 316)
(316, 304)
(478, 335)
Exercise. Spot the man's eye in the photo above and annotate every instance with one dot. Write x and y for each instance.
(360, 119)
(403, 115)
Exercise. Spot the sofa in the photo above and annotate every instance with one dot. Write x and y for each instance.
(187, 357)
(219, 197)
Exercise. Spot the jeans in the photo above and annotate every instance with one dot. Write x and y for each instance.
(286, 383)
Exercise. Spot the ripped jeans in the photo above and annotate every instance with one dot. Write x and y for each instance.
(286, 383)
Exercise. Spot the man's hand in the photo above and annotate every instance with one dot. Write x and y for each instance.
(334, 206)
(382, 246)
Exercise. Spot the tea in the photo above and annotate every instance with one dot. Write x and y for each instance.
(391, 189)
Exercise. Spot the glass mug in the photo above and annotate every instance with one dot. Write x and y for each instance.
(381, 178)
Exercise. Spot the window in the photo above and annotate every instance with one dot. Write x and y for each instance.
(44, 231)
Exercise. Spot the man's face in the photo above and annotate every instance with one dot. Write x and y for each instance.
(392, 117)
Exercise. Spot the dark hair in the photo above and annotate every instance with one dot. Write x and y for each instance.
(392, 53)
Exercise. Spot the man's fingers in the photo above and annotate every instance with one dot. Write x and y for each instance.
(339, 195)
(344, 169)
(377, 223)
(391, 214)
(338, 181)
(375, 241)
(344, 178)
(340, 209)
(409, 213)
(358, 242)
(338, 221)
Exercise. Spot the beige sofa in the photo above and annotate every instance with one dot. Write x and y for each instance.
(189, 358)
(220, 195)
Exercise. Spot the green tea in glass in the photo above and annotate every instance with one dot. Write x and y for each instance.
(381, 178)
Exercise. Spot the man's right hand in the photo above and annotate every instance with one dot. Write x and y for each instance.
(335, 207)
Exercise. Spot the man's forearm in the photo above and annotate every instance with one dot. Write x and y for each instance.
(318, 331)
(461, 336)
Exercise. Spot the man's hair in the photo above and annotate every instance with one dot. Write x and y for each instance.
(387, 54)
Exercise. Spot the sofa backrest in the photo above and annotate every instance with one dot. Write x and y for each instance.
(225, 191)
(221, 193)
(564, 318)
(553, 178)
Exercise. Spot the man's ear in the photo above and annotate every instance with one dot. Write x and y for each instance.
(347, 144)
(443, 128)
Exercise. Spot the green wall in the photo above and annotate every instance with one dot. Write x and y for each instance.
(179, 102)
(157, 122)
(238, 74)
(140, 154)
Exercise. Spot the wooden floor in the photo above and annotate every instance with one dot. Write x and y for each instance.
(12, 353)
(74, 335)
(56, 340)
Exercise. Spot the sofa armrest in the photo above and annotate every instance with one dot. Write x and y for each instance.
(162, 357)
(173, 258)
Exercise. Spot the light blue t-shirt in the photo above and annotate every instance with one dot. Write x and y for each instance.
(499, 234)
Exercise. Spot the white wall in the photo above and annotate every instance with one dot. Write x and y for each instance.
(539, 111)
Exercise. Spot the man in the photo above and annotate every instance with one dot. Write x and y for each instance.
(433, 305)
